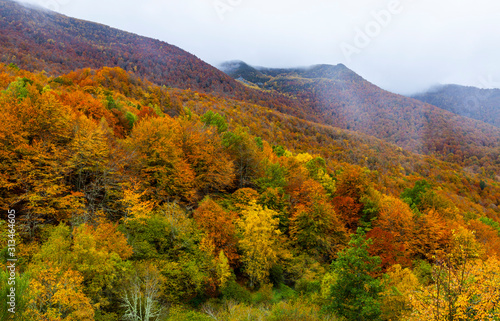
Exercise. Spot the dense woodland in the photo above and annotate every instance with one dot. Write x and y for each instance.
(38, 40)
(148, 185)
(136, 201)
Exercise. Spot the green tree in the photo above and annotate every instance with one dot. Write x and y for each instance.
(355, 294)
(274, 177)
(482, 184)
(214, 119)
(245, 154)
(422, 197)
(22, 296)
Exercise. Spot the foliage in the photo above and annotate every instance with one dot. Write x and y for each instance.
(399, 284)
(492, 223)
(22, 295)
(355, 293)
(463, 288)
(214, 119)
(259, 243)
(219, 225)
(185, 206)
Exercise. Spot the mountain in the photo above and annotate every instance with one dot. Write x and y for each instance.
(241, 71)
(341, 98)
(133, 200)
(472, 102)
(37, 39)
(93, 166)
(259, 75)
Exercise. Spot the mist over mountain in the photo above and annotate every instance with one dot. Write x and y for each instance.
(343, 99)
(331, 95)
(476, 103)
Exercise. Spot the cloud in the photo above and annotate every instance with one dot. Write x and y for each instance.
(420, 43)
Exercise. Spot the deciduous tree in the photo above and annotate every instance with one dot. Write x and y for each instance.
(259, 242)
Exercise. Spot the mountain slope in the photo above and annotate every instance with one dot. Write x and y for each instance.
(44, 40)
(343, 99)
(476, 103)
(37, 39)
(89, 167)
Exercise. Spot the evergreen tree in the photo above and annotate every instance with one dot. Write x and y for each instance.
(355, 294)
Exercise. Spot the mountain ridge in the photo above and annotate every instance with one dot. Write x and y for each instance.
(476, 103)
(39, 39)
(338, 98)
(345, 100)
(134, 200)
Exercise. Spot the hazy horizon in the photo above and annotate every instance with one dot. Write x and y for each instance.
(404, 46)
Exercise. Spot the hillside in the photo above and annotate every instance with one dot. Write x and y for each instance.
(476, 103)
(114, 194)
(301, 194)
(37, 39)
(343, 99)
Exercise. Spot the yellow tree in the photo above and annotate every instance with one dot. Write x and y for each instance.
(223, 270)
(259, 241)
(398, 285)
(464, 287)
(58, 295)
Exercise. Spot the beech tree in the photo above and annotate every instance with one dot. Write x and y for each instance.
(259, 242)
(141, 294)
(159, 161)
(220, 227)
(203, 150)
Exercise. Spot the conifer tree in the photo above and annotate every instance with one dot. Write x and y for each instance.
(355, 294)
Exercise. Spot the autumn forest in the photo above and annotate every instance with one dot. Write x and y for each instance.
(156, 187)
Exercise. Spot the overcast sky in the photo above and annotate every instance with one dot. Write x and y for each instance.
(400, 45)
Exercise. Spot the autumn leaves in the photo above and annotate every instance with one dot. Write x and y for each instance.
(120, 217)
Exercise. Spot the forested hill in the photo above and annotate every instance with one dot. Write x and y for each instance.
(168, 191)
(227, 208)
(37, 39)
(341, 98)
(477, 103)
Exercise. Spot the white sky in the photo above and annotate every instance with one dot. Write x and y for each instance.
(408, 46)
